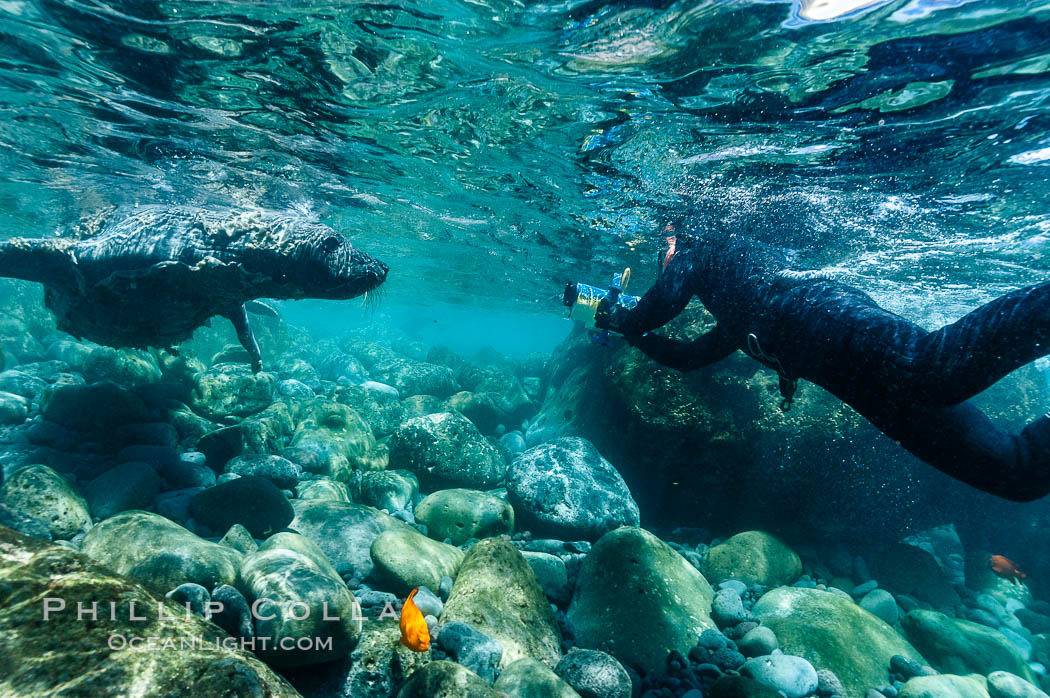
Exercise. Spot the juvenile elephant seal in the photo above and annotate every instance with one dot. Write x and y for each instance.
(151, 278)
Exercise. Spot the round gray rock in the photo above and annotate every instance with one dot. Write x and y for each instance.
(758, 642)
(280, 471)
(880, 603)
(446, 450)
(565, 489)
(127, 486)
(594, 674)
(793, 676)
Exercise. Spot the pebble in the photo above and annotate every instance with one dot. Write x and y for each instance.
(594, 674)
(862, 589)
(727, 609)
(908, 668)
(427, 602)
(190, 595)
(235, 617)
(881, 604)
(1002, 684)
(1022, 645)
(758, 642)
(445, 588)
(373, 602)
(712, 640)
(984, 618)
(471, 648)
(727, 659)
(735, 584)
(829, 685)
(792, 675)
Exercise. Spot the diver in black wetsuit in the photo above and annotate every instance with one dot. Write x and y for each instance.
(911, 384)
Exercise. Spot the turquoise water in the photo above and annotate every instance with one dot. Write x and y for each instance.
(498, 149)
(489, 152)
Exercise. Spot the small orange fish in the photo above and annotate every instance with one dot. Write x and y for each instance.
(414, 633)
(1006, 568)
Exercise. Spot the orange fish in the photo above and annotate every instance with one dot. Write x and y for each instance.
(414, 633)
(1006, 568)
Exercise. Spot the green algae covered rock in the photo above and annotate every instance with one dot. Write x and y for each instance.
(406, 558)
(1003, 684)
(961, 646)
(40, 492)
(159, 553)
(445, 679)
(496, 593)
(529, 678)
(263, 433)
(67, 656)
(834, 633)
(753, 557)
(231, 391)
(459, 514)
(477, 407)
(328, 490)
(339, 434)
(388, 489)
(303, 598)
(730, 686)
(638, 599)
(446, 450)
(943, 686)
(127, 368)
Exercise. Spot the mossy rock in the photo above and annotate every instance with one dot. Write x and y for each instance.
(479, 408)
(753, 557)
(529, 678)
(496, 593)
(75, 657)
(339, 434)
(232, 391)
(943, 686)
(406, 558)
(289, 573)
(630, 568)
(460, 514)
(446, 450)
(445, 679)
(325, 489)
(126, 368)
(159, 553)
(388, 489)
(43, 494)
(962, 647)
(834, 633)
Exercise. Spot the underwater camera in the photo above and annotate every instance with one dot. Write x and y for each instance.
(583, 299)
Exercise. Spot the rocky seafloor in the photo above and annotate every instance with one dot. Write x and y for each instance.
(528, 499)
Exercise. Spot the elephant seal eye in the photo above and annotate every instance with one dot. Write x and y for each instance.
(330, 244)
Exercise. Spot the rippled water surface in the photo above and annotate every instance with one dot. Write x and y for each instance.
(492, 150)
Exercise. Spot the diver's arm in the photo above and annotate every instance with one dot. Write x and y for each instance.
(660, 304)
(714, 345)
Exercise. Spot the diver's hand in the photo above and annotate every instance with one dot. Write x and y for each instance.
(609, 315)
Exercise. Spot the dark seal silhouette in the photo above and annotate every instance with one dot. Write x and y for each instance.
(151, 278)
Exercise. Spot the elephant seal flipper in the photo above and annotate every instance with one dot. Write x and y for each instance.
(246, 336)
